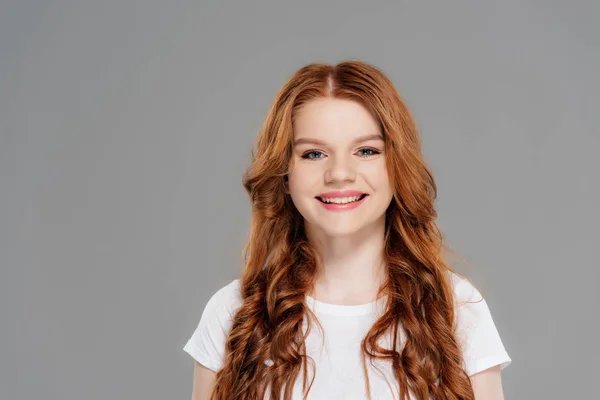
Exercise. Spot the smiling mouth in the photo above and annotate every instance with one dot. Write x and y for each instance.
(341, 200)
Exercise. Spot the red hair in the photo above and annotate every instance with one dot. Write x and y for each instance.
(280, 263)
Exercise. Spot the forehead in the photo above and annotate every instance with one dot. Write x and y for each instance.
(334, 118)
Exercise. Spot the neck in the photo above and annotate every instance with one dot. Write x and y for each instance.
(350, 268)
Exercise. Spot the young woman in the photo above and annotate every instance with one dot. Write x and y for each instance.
(345, 292)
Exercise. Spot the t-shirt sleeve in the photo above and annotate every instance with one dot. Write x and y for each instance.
(482, 347)
(207, 343)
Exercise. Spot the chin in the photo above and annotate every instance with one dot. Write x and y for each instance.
(337, 230)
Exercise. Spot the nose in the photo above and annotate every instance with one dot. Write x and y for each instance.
(340, 169)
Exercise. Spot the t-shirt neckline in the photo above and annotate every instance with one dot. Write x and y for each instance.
(344, 310)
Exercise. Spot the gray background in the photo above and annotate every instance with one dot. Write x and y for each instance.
(126, 126)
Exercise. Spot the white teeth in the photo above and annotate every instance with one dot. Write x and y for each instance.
(340, 200)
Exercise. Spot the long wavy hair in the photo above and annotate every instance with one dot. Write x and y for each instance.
(265, 349)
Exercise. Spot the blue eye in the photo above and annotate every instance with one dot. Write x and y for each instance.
(307, 155)
(372, 152)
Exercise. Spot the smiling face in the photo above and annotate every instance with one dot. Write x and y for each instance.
(338, 179)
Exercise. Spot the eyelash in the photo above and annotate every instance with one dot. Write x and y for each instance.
(374, 153)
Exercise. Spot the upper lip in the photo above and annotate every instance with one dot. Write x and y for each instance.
(341, 193)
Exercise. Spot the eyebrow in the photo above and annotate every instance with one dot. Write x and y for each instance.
(322, 143)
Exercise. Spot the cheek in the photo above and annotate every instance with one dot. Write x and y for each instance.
(376, 175)
(302, 179)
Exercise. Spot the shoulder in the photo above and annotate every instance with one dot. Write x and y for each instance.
(476, 332)
(207, 343)
(471, 309)
(228, 296)
(464, 291)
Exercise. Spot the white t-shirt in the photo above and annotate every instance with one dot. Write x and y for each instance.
(339, 372)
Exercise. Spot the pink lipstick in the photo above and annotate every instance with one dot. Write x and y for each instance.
(341, 200)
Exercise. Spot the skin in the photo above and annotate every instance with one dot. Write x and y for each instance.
(487, 384)
(330, 154)
(330, 131)
(203, 382)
